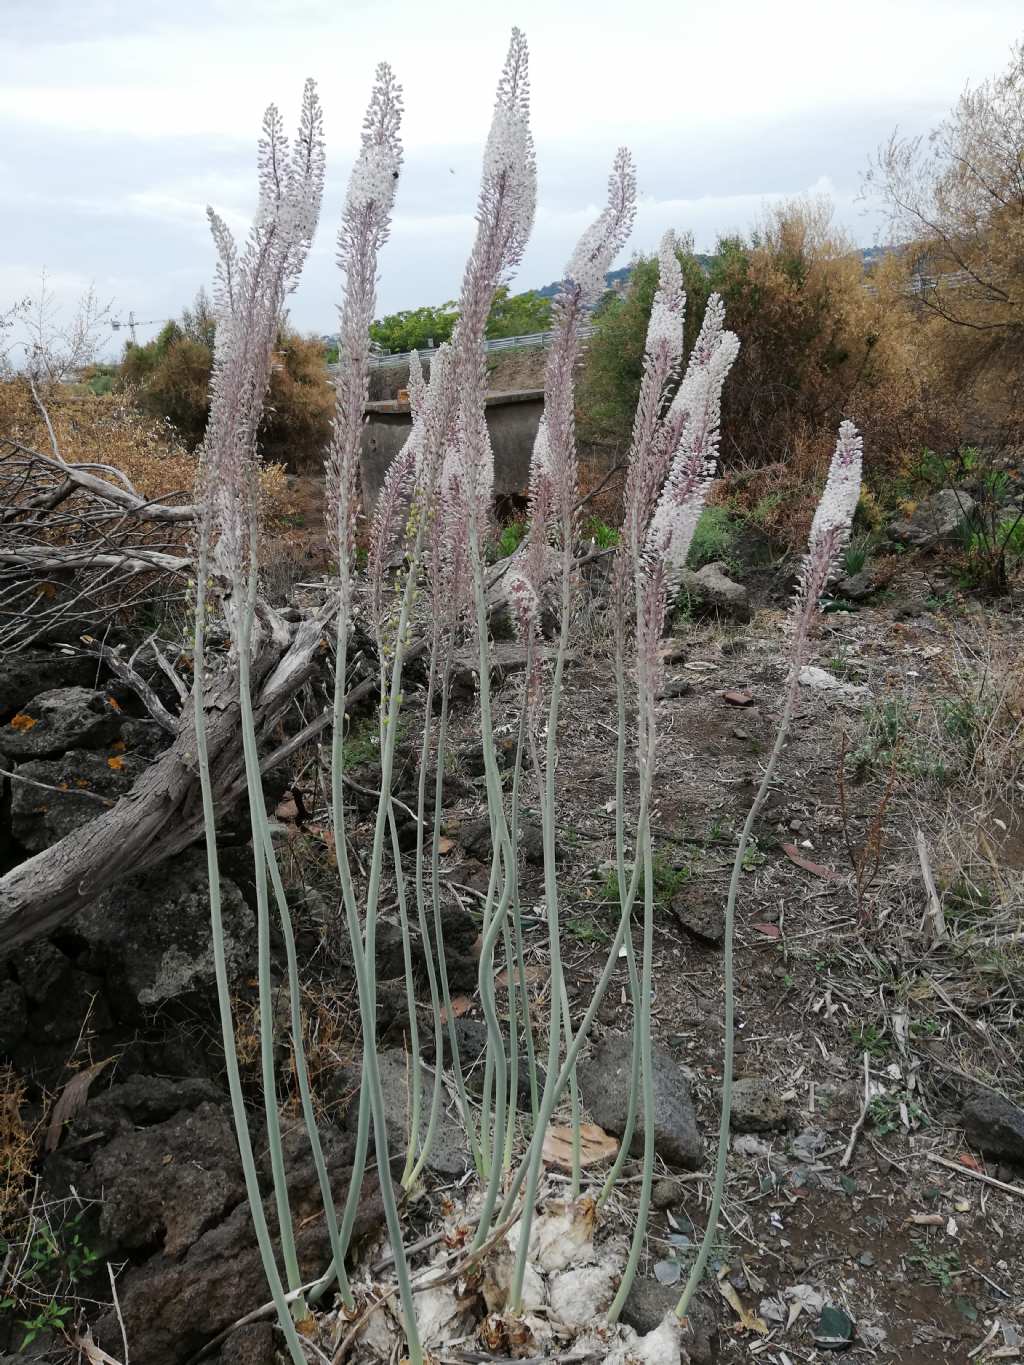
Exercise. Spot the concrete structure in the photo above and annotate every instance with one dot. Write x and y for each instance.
(512, 421)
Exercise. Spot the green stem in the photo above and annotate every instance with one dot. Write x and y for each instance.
(718, 1188)
(241, 1122)
(558, 993)
(634, 980)
(553, 1091)
(442, 966)
(642, 1026)
(338, 1248)
(258, 824)
(421, 913)
(416, 1079)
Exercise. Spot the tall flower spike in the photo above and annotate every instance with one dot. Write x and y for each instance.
(510, 167)
(554, 473)
(652, 445)
(417, 386)
(365, 224)
(665, 328)
(695, 413)
(505, 210)
(250, 292)
(830, 528)
(605, 238)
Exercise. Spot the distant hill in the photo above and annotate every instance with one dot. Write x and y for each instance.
(618, 279)
(613, 278)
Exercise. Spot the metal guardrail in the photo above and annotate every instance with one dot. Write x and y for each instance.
(495, 344)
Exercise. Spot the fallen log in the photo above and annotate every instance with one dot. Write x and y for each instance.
(162, 814)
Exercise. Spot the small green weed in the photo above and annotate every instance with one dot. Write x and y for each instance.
(714, 538)
(587, 931)
(51, 1266)
(937, 1267)
(509, 540)
(753, 855)
(605, 537)
(855, 556)
(870, 1039)
(885, 1113)
(668, 881)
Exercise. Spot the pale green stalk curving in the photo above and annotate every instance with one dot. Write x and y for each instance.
(239, 1116)
(258, 822)
(718, 1188)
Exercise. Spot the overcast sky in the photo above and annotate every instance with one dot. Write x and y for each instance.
(120, 121)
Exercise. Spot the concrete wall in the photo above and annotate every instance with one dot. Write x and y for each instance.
(512, 421)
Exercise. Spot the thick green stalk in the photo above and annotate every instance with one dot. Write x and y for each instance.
(416, 1078)
(553, 1092)
(435, 892)
(503, 850)
(258, 824)
(517, 911)
(338, 1248)
(239, 1116)
(642, 1025)
(421, 915)
(718, 1188)
(558, 994)
(486, 1154)
(366, 971)
(634, 980)
(513, 1046)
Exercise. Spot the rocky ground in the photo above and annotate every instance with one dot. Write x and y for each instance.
(875, 1199)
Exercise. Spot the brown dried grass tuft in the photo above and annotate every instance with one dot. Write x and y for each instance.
(108, 429)
(17, 1150)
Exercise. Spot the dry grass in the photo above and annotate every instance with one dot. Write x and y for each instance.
(17, 1150)
(330, 1038)
(110, 430)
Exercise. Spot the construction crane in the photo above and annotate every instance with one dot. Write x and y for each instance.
(116, 324)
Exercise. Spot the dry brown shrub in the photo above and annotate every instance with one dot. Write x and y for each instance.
(110, 430)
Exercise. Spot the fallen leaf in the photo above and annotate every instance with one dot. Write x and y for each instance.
(595, 1145)
(795, 856)
(445, 845)
(287, 809)
(72, 1098)
(749, 1321)
(113, 703)
(116, 763)
(803, 1298)
(769, 930)
(94, 1354)
(461, 1004)
(738, 698)
(926, 1220)
(971, 1162)
(533, 974)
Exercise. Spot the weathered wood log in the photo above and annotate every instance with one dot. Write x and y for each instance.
(162, 814)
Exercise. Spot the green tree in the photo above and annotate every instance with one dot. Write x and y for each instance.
(412, 329)
(610, 384)
(517, 315)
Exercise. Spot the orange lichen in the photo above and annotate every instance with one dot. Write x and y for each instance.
(112, 701)
(117, 763)
(23, 722)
